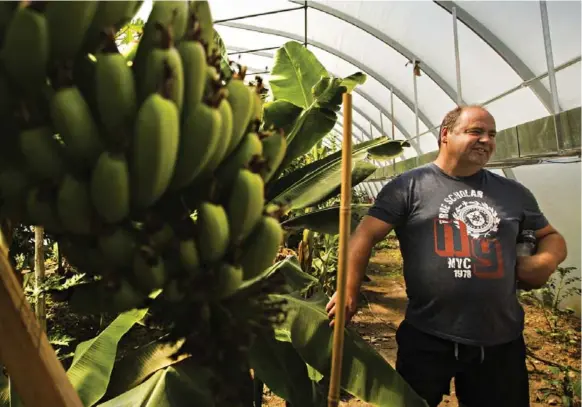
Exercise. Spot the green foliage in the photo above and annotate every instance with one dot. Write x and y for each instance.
(548, 298)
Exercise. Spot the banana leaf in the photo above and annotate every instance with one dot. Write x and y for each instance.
(281, 114)
(279, 366)
(388, 151)
(362, 170)
(295, 71)
(181, 385)
(312, 183)
(93, 361)
(365, 373)
(138, 365)
(298, 78)
(327, 220)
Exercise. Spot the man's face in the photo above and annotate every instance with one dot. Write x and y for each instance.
(472, 140)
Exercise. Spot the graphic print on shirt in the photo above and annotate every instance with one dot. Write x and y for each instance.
(465, 233)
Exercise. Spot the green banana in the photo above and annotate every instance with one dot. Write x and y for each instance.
(199, 139)
(245, 204)
(223, 139)
(74, 205)
(203, 13)
(118, 246)
(7, 9)
(212, 232)
(165, 14)
(274, 148)
(240, 98)
(122, 297)
(67, 25)
(108, 14)
(73, 121)
(164, 72)
(109, 187)
(6, 97)
(154, 149)
(149, 270)
(249, 148)
(115, 95)
(41, 210)
(14, 184)
(26, 48)
(189, 256)
(161, 237)
(43, 153)
(193, 56)
(227, 280)
(260, 248)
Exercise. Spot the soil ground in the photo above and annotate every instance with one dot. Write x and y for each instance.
(378, 319)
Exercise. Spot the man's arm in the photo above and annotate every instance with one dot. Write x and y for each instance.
(369, 232)
(536, 270)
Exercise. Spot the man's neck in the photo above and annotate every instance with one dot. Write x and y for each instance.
(452, 167)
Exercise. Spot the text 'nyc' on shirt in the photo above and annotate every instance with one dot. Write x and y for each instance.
(458, 239)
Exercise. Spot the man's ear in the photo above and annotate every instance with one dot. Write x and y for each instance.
(444, 135)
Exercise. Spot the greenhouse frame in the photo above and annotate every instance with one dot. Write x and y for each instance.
(520, 59)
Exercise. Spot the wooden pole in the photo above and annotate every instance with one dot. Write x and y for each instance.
(39, 273)
(344, 229)
(37, 375)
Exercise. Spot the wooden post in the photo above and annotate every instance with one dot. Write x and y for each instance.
(39, 272)
(37, 375)
(344, 232)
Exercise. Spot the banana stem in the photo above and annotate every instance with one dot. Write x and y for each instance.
(344, 229)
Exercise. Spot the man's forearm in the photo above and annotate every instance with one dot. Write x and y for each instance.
(359, 255)
(553, 248)
(551, 251)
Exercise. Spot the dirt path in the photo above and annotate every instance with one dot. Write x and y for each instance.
(383, 311)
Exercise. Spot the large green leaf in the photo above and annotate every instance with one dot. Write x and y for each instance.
(281, 114)
(362, 170)
(327, 220)
(318, 120)
(93, 361)
(313, 182)
(181, 385)
(295, 71)
(299, 79)
(138, 365)
(277, 364)
(365, 373)
(312, 125)
(388, 151)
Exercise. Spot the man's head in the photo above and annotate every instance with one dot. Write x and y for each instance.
(467, 136)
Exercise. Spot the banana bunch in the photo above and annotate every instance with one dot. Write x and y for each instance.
(149, 169)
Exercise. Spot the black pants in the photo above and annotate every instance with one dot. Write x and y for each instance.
(493, 376)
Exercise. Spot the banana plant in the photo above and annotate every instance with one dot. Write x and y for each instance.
(294, 362)
(304, 103)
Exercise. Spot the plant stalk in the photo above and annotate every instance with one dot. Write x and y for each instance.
(344, 232)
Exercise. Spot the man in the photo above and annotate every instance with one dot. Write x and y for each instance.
(457, 225)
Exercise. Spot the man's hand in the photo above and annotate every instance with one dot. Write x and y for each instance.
(351, 307)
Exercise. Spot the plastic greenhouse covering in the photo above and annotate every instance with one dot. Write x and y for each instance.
(521, 59)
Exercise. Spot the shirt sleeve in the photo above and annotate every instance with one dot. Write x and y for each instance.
(533, 217)
(391, 204)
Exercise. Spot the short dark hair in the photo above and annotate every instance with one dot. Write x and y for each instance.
(451, 118)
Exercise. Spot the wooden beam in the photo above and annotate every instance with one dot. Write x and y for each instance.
(37, 375)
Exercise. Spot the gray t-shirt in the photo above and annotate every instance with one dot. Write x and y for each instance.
(458, 238)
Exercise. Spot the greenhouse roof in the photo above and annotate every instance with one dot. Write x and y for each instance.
(500, 46)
